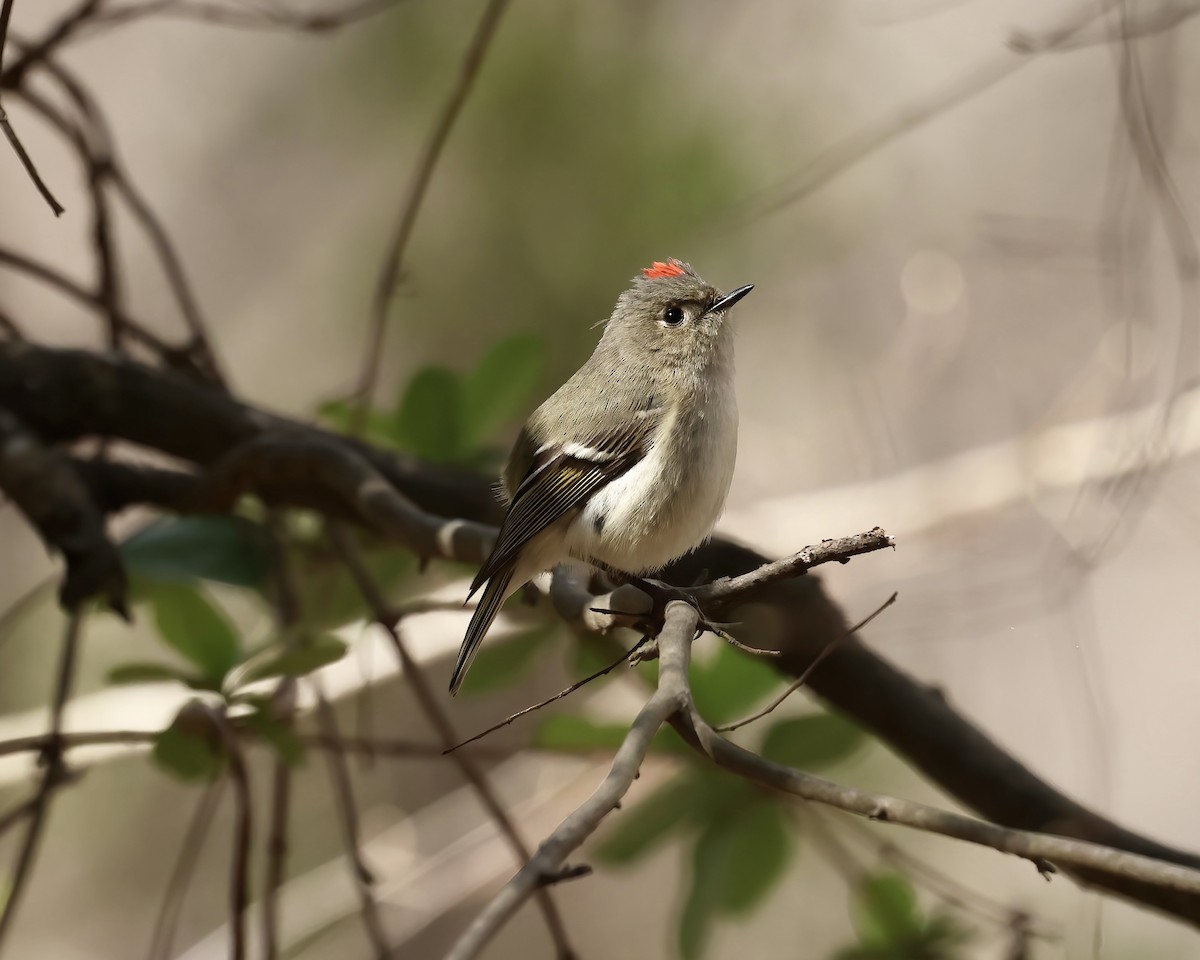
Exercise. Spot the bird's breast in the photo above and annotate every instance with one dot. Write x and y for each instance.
(669, 501)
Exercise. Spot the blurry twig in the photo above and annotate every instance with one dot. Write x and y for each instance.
(58, 34)
(283, 705)
(193, 842)
(444, 729)
(95, 147)
(70, 288)
(800, 680)
(18, 148)
(410, 206)
(54, 773)
(343, 795)
(227, 15)
(239, 884)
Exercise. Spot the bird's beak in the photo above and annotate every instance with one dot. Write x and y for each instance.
(730, 299)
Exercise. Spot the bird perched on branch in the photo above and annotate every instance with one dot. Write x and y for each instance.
(628, 464)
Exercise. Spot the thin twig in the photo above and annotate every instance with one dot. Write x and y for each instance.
(35, 52)
(163, 937)
(669, 697)
(220, 15)
(55, 773)
(283, 704)
(603, 671)
(410, 206)
(384, 747)
(30, 167)
(841, 550)
(800, 680)
(26, 161)
(444, 729)
(79, 293)
(113, 171)
(239, 884)
(347, 810)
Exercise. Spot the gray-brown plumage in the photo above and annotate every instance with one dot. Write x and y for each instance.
(629, 462)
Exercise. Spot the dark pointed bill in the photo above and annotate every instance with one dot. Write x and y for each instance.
(730, 299)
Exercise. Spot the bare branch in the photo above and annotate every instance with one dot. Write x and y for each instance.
(54, 774)
(728, 589)
(43, 483)
(410, 206)
(1043, 850)
(669, 697)
(239, 885)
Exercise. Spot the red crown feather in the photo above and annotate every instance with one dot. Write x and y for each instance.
(659, 270)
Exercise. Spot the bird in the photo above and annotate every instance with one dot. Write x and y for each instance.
(628, 464)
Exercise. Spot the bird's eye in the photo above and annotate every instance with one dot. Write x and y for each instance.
(673, 316)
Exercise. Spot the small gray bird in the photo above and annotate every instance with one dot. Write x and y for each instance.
(628, 464)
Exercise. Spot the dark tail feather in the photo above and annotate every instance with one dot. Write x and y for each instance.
(485, 613)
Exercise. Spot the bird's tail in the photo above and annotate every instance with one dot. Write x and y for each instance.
(489, 605)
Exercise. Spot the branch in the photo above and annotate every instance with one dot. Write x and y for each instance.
(54, 775)
(730, 589)
(445, 730)
(671, 702)
(163, 936)
(43, 483)
(6, 12)
(1039, 848)
(675, 646)
(65, 395)
(414, 196)
(347, 810)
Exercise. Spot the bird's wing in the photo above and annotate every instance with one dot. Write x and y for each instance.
(559, 480)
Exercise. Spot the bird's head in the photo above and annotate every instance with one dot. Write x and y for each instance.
(670, 311)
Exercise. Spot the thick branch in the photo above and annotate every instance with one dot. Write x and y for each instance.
(43, 483)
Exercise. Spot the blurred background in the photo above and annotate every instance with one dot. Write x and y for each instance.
(974, 324)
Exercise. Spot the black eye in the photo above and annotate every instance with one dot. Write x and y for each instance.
(673, 316)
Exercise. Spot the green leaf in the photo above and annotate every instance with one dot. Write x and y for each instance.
(278, 734)
(759, 848)
(146, 673)
(500, 388)
(640, 828)
(885, 910)
(190, 624)
(189, 749)
(738, 857)
(308, 655)
(812, 742)
(731, 683)
(225, 549)
(429, 418)
(502, 663)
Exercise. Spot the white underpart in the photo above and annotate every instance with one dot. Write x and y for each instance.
(670, 500)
